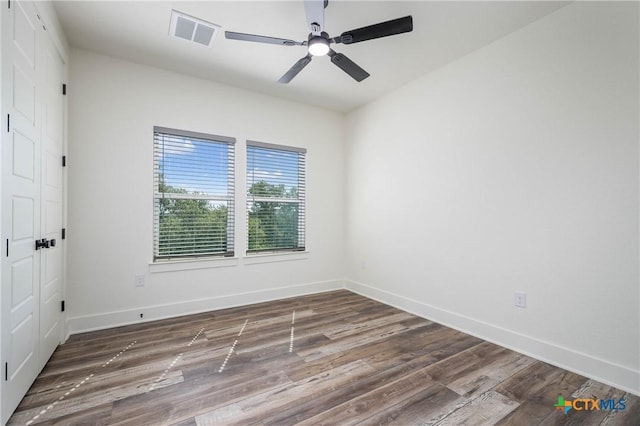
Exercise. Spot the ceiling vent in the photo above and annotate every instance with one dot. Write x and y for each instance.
(193, 29)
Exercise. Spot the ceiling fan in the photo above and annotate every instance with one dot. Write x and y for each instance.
(318, 42)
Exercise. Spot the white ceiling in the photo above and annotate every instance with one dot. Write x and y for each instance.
(138, 31)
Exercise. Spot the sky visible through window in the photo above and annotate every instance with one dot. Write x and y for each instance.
(200, 167)
(194, 166)
(275, 167)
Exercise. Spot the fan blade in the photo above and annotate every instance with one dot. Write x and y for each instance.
(295, 69)
(348, 66)
(383, 29)
(315, 15)
(261, 39)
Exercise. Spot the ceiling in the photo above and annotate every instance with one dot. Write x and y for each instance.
(138, 31)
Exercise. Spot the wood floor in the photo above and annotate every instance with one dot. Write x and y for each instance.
(331, 358)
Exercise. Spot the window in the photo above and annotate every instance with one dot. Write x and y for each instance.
(194, 194)
(275, 198)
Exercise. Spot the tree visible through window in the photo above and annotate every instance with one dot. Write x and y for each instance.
(275, 197)
(194, 194)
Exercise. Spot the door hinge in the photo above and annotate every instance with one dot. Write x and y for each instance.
(64, 233)
(7, 247)
(8, 123)
(64, 89)
(64, 161)
(6, 371)
(62, 306)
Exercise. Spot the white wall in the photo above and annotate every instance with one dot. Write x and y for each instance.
(113, 107)
(514, 168)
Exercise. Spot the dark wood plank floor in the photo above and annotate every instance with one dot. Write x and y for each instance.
(329, 358)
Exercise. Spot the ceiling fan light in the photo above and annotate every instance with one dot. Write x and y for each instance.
(318, 46)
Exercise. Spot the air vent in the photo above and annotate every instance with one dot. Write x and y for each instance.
(193, 29)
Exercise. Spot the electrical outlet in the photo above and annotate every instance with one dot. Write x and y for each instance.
(520, 299)
(139, 280)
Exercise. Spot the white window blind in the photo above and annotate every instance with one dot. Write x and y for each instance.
(194, 194)
(275, 198)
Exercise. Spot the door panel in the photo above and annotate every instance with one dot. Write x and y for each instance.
(22, 353)
(23, 155)
(24, 31)
(52, 171)
(23, 211)
(24, 94)
(21, 283)
(50, 295)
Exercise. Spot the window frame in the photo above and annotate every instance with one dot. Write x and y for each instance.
(300, 200)
(229, 198)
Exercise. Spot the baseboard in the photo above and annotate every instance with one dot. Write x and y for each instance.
(621, 377)
(81, 324)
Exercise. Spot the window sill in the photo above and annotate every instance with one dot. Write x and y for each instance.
(187, 265)
(254, 259)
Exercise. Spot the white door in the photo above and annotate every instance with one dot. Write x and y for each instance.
(32, 199)
(51, 201)
(20, 201)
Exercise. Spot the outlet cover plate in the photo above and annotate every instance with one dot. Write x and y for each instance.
(139, 280)
(520, 299)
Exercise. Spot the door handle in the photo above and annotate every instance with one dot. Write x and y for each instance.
(44, 243)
